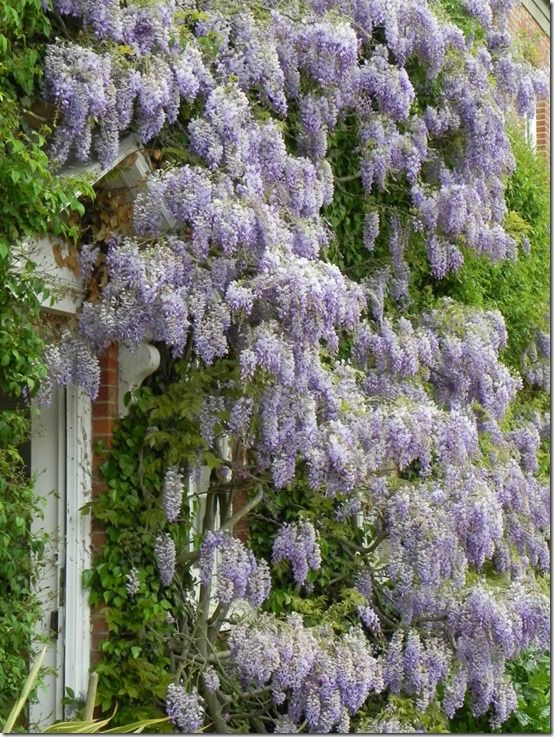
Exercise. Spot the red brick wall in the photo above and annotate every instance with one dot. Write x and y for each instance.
(543, 126)
(526, 28)
(104, 417)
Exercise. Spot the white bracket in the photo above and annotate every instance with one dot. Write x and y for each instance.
(134, 366)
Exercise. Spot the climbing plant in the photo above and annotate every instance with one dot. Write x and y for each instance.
(33, 201)
(329, 177)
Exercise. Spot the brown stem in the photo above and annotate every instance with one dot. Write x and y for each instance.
(201, 627)
(248, 507)
(349, 178)
(216, 620)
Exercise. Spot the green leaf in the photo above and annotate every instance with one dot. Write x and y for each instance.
(135, 727)
(27, 688)
(77, 727)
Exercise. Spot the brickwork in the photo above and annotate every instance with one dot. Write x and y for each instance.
(543, 126)
(241, 529)
(104, 417)
(525, 28)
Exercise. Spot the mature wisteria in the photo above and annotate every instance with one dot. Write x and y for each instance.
(402, 421)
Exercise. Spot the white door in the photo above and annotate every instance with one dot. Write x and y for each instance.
(48, 468)
(60, 463)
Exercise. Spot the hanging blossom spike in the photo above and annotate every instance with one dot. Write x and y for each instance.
(172, 494)
(297, 543)
(185, 709)
(132, 582)
(211, 679)
(239, 574)
(165, 553)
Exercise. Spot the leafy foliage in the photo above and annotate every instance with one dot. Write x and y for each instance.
(20, 553)
(32, 201)
(135, 655)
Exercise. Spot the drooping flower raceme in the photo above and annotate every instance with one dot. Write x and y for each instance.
(165, 553)
(184, 708)
(70, 361)
(297, 543)
(172, 493)
(132, 582)
(211, 679)
(324, 675)
(239, 574)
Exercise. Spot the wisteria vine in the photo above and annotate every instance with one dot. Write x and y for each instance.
(229, 261)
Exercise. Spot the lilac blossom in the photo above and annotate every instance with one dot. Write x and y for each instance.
(70, 361)
(239, 575)
(172, 493)
(211, 679)
(165, 554)
(297, 543)
(322, 672)
(184, 708)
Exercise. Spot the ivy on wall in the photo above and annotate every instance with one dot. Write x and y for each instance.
(32, 201)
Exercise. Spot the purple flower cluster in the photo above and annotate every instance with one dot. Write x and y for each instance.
(416, 667)
(370, 618)
(211, 679)
(90, 87)
(535, 362)
(297, 543)
(172, 493)
(184, 708)
(71, 361)
(325, 677)
(467, 366)
(165, 554)
(78, 81)
(488, 630)
(239, 575)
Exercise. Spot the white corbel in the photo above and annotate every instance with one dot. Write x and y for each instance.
(134, 366)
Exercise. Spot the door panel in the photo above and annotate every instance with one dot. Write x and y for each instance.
(47, 458)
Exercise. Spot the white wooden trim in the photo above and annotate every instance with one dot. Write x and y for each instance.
(530, 123)
(93, 170)
(65, 285)
(48, 466)
(78, 540)
(134, 366)
(540, 12)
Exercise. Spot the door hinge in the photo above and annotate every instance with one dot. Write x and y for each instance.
(54, 624)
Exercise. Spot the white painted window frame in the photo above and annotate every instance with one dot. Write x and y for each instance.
(78, 458)
(530, 123)
(47, 429)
